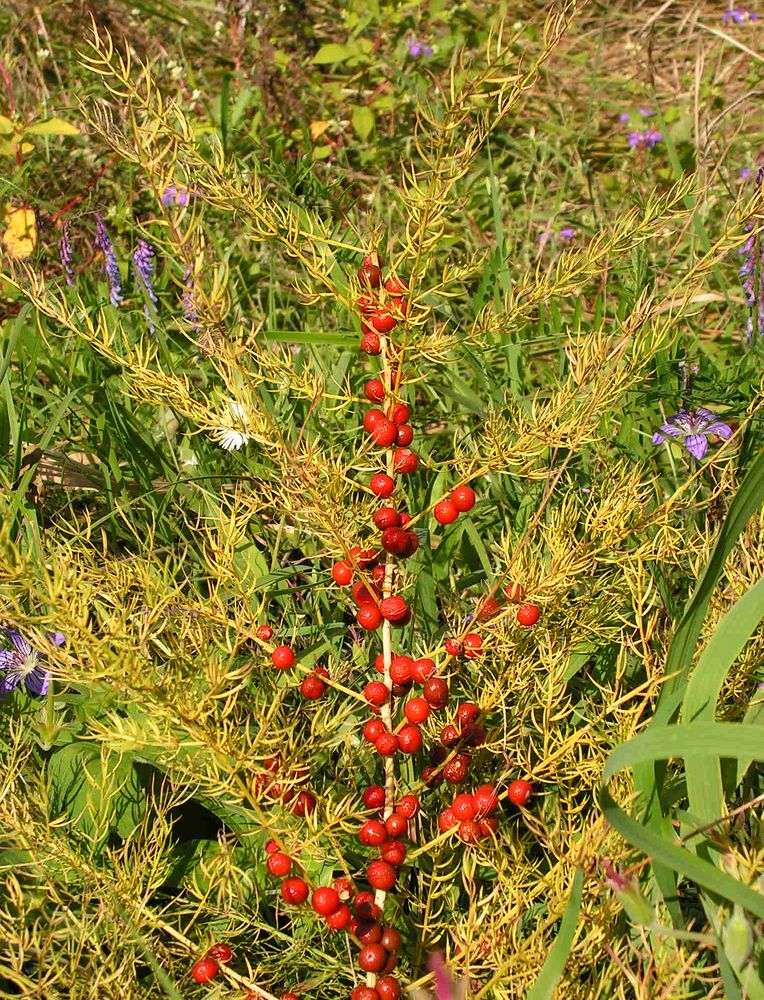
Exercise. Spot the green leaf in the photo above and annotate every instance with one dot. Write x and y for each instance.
(362, 119)
(551, 970)
(332, 53)
(53, 126)
(6, 126)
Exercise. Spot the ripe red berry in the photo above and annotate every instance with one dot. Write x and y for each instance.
(416, 710)
(393, 609)
(367, 304)
(279, 864)
(422, 669)
(388, 988)
(449, 735)
(368, 617)
(399, 542)
(473, 734)
(453, 647)
(382, 484)
(312, 686)
(463, 806)
(373, 833)
(435, 691)
(284, 996)
(473, 644)
(294, 890)
(528, 614)
(467, 712)
(430, 778)
(489, 826)
(340, 919)
(369, 274)
(264, 632)
(374, 795)
(365, 908)
(387, 745)
(325, 900)
(488, 609)
(271, 847)
(463, 498)
(342, 573)
(372, 730)
(409, 738)
(364, 993)
(447, 820)
(374, 390)
(375, 693)
(445, 511)
(391, 940)
(485, 798)
(207, 968)
(519, 792)
(514, 592)
(304, 804)
(370, 343)
(387, 517)
(381, 875)
(399, 413)
(393, 852)
(371, 418)
(405, 435)
(383, 321)
(469, 831)
(369, 932)
(396, 286)
(384, 433)
(408, 806)
(396, 824)
(372, 958)
(400, 669)
(456, 769)
(405, 461)
(282, 657)
(361, 593)
(220, 952)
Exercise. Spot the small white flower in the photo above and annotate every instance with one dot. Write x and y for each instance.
(233, 438)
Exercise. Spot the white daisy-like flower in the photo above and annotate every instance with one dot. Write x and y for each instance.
(233, 438)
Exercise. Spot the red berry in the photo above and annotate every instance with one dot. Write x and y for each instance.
(372, 730)
(416, 710)
(304, 804)
(220, 952)
(469, 831)
(396, 824)
(445, 511)
(364, 993)
(391, 940)
(463, 498)
(284, 996)
(382, 321)
(457, 769)
(369, 274)
(388, 988)
(271, 847)
(519, 792)
(375, 693)
(405, 461)
(390, 965)
(312, 687)
(374, 795)
(382, 484)
(409, 738)
(393, 852)
(294, 890)
(473, 734)
(396, 286)
(488, 609)
(372, 958)
(528, 614)
(381, 875)
(370, 343)
(435, 691)
(339, 920)
(473, 644)
(361, 593)
(453, 647)
(467, 712)
(388, 745)
(282, 657)
(373, 833)
(325, 900)
(387, 517)
(374, 390)
(367, 304)
(489, 826)
(279, 864)
(430, 778)
(449, 735)
(397, 541)
(393, 609)
(399, 413)
(368, 617)
(365, 908)
(384, 433)
(447, 820)
(207, 968)
(514, 592)
(344, 888)
(463, 806)
(408, 806)
(422, 669)
(405, 435)
(371, 418)
(400, 669)
(485, 798)
(265, 632)
(342, 573)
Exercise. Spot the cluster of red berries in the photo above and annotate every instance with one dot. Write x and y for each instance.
(208, 967)
(460, 500)
(472, 814)
(303, 802)
(381, 305)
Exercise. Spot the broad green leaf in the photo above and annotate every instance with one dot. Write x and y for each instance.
(332, 53)
(362, 118)
(53, 126)
(546, 982)
(6, 126)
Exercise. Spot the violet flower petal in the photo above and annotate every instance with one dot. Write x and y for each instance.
(697, 445)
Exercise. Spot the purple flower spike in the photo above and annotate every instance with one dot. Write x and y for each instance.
(739, 15)
(694, 429)
(22, 664)
(103, 242)
(417, 48)
(65, 253)
(143, 260)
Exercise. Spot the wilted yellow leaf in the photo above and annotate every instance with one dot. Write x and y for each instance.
(6, 125)
(318, 128)
(20, 236)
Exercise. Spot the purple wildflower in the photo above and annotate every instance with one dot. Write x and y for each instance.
(417, 49)
(745, 173)
(645, 139)
(190, 315)
(739, 15)
(103, 242)
(566, 233)
(65, 253)
(23, 663)
(695, 429)
(624, 116)
(143, 260)
(174, 195)
(646, 112)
